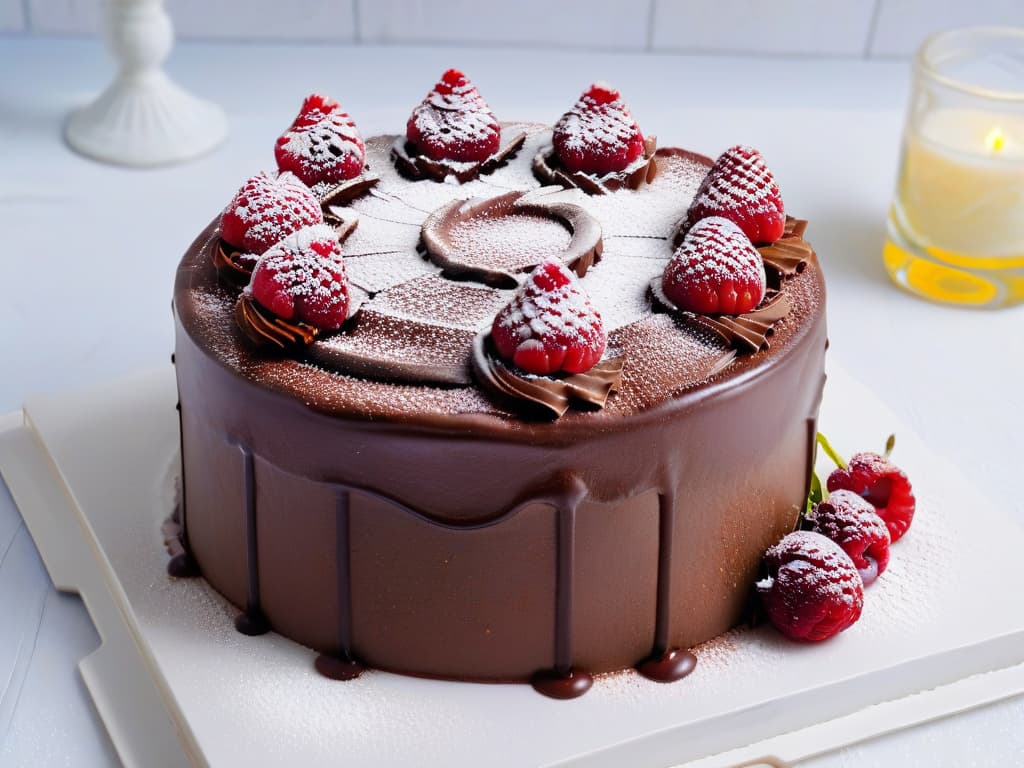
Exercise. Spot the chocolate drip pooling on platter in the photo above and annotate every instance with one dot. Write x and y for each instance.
(342, 665)
(181, 565)
(251, 621)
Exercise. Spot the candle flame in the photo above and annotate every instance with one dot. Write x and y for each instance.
(995, 140)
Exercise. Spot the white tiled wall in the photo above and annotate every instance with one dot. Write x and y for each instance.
(575, 23)
(777, 27)
(829, 27)
(904, 23)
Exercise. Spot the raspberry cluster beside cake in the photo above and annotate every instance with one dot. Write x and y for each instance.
(494, 401)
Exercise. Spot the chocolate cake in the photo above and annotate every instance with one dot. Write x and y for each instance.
(393, 493)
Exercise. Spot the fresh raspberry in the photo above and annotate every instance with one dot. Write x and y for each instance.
(739, 187)
(851, 522)
(812, 590)
(267, 209)
(322, 144)
(599, 134)
(715, 270)
(302, 278)
(884, 485)
(454, 122)
(550, 325)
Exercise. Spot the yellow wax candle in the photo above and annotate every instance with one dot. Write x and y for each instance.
(961, 188)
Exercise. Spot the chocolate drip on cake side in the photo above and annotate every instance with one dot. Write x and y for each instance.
(251, 621)
(666, 664)
(563, 681)
(181, 565)
(342, 666)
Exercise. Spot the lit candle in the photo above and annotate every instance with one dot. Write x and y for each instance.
(956, 224)
(962, 185)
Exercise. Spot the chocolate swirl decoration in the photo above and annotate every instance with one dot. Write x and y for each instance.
(748, 332)
(234, 266)
(789, 254)
(264, 329)
(548, 170)
(411, 164)
(583, 250)
(548, 395)
(346, 191)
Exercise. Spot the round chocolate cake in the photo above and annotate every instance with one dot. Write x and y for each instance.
(391, 490)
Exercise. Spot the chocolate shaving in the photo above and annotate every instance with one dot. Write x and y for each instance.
(551, 396)
(263, 329)
(789, 254)
(235, 266)
(583, 250)
(549, 170)
(411, 164)
(748, 332)
(346, 191)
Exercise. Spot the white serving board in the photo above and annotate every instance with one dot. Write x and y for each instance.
(93, 475)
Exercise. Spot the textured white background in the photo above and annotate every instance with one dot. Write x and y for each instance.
(856, 28)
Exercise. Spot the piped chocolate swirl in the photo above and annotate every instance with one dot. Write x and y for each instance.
(548, 396)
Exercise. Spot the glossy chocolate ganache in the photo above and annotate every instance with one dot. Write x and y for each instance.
(394, 496)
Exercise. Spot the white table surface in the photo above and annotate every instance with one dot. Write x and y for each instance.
(89, 254)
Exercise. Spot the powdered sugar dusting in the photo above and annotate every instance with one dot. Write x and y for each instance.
(268, 208)
(662, 357)
(377, 272)
(716, 256)
(739, 181)
(508, 242)
(442, 302)
(618, 288)
(322, 145)
(303, 276)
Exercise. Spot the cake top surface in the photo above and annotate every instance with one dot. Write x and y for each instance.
(405, 353)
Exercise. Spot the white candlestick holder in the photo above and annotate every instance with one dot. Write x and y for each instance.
(144, 118)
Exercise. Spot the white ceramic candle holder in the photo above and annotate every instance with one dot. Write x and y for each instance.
(144, 118)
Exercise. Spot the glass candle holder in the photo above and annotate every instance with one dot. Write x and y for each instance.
(956, 225)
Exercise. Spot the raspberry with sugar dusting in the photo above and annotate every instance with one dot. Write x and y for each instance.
(266, 209)
(454, 122)
(883, 485)
(741, 188)
(322, 145)
(812, 591)
(715, 270)
(303, 279)
(849, 521)
(550, 324)
(599, 134)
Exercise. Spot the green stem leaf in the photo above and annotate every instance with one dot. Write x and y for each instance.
(831, 452)
(889, 445)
